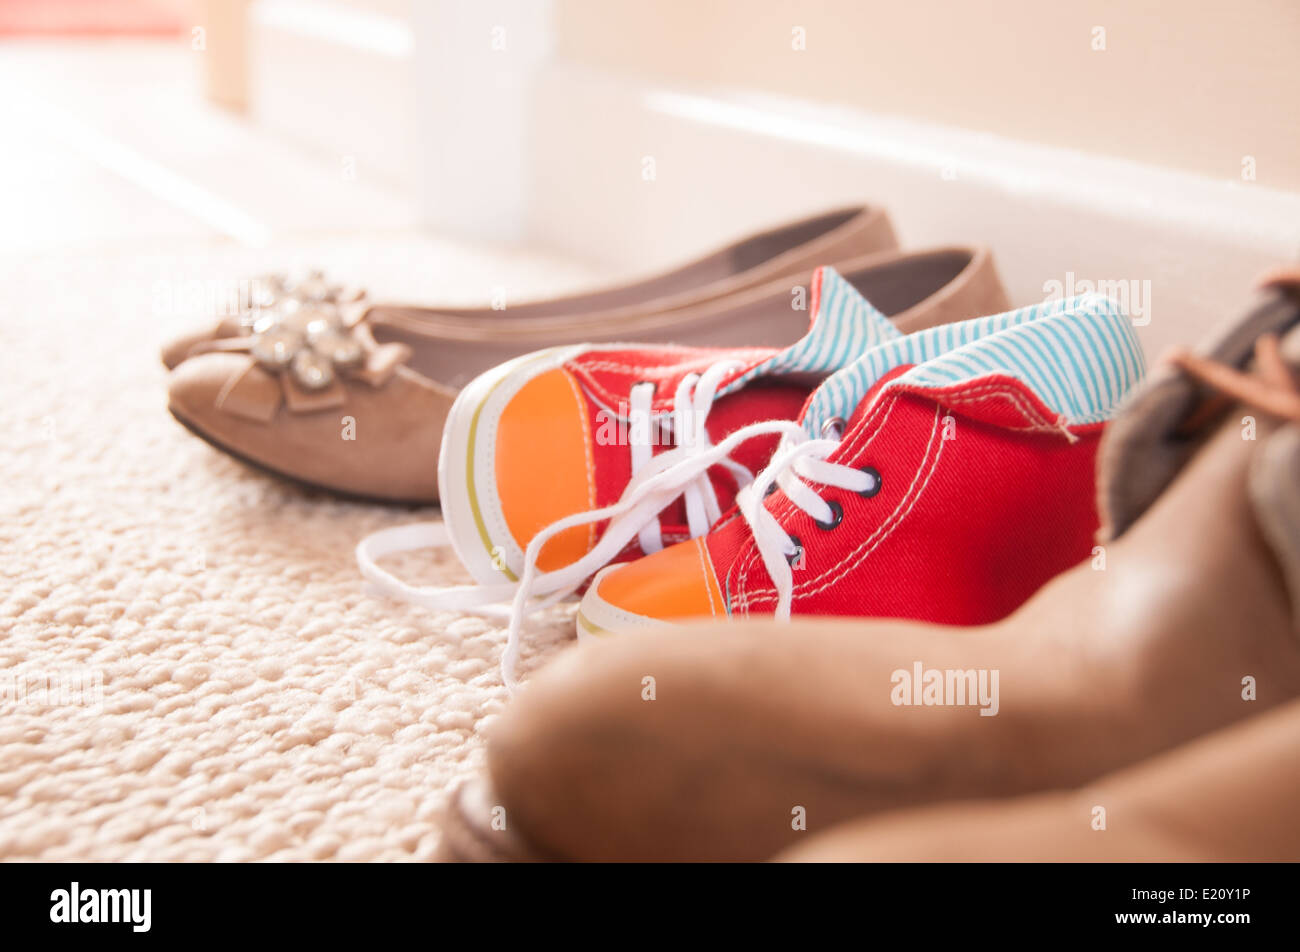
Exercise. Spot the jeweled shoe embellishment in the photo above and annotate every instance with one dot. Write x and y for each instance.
(269, 292)
(307, 341)
(311, 341)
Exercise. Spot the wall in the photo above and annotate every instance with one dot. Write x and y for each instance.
(1193, 85)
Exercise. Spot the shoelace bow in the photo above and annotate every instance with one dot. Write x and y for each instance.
(1271, 387)
(658, 481)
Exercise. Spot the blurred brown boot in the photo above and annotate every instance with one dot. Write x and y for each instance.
(1227, 797)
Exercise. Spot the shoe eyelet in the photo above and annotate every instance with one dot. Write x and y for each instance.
(876, 484)
(771, 488)
(832, 429)
(837, 516)
(795, 556)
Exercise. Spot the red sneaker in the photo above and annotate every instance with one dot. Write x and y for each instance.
(959, 485)
(559, 433)
(566, 430)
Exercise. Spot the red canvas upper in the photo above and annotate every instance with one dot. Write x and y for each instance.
(984, 495)
(550, 436)
(612, 462)
(963, 529)
(606, 378)
(609, 375)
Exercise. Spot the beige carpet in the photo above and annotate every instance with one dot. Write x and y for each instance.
(189, 667)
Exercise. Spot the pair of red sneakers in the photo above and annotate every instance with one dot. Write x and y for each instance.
(942, 475)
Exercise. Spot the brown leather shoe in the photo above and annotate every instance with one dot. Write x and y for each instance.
(1183, 622)
(788, 250)
(360, 412)
(1227, 797)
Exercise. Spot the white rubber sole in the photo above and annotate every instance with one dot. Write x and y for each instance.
(597, 619)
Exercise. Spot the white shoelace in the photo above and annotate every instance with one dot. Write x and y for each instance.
(657, 483)
(691, 405)
(799, 459)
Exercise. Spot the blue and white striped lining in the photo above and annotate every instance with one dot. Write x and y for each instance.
(1080, 356)
(845, 326)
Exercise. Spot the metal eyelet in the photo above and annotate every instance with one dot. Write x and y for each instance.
(837, 516)
(876, 482)
(794, 557)
(832, 429)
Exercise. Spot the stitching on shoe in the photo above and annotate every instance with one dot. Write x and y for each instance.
(929, 465)
(749, 554)
(990, 390)
(584, 370)
(898, 517)
(1000, 390)
(865, 432)
(704, 571)
(665, 370)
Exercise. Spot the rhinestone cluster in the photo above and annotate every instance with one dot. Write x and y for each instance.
(271, 290)
(297, 326)
(309, 340)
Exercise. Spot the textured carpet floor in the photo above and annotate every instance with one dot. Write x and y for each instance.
(189, 667)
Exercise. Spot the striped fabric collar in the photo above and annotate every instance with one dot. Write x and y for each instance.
(1080, 356)
(844, 326)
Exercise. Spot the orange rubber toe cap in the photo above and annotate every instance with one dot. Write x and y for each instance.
(672, 585)
(543, 465)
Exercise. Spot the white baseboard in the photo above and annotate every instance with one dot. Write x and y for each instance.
(723, 164)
